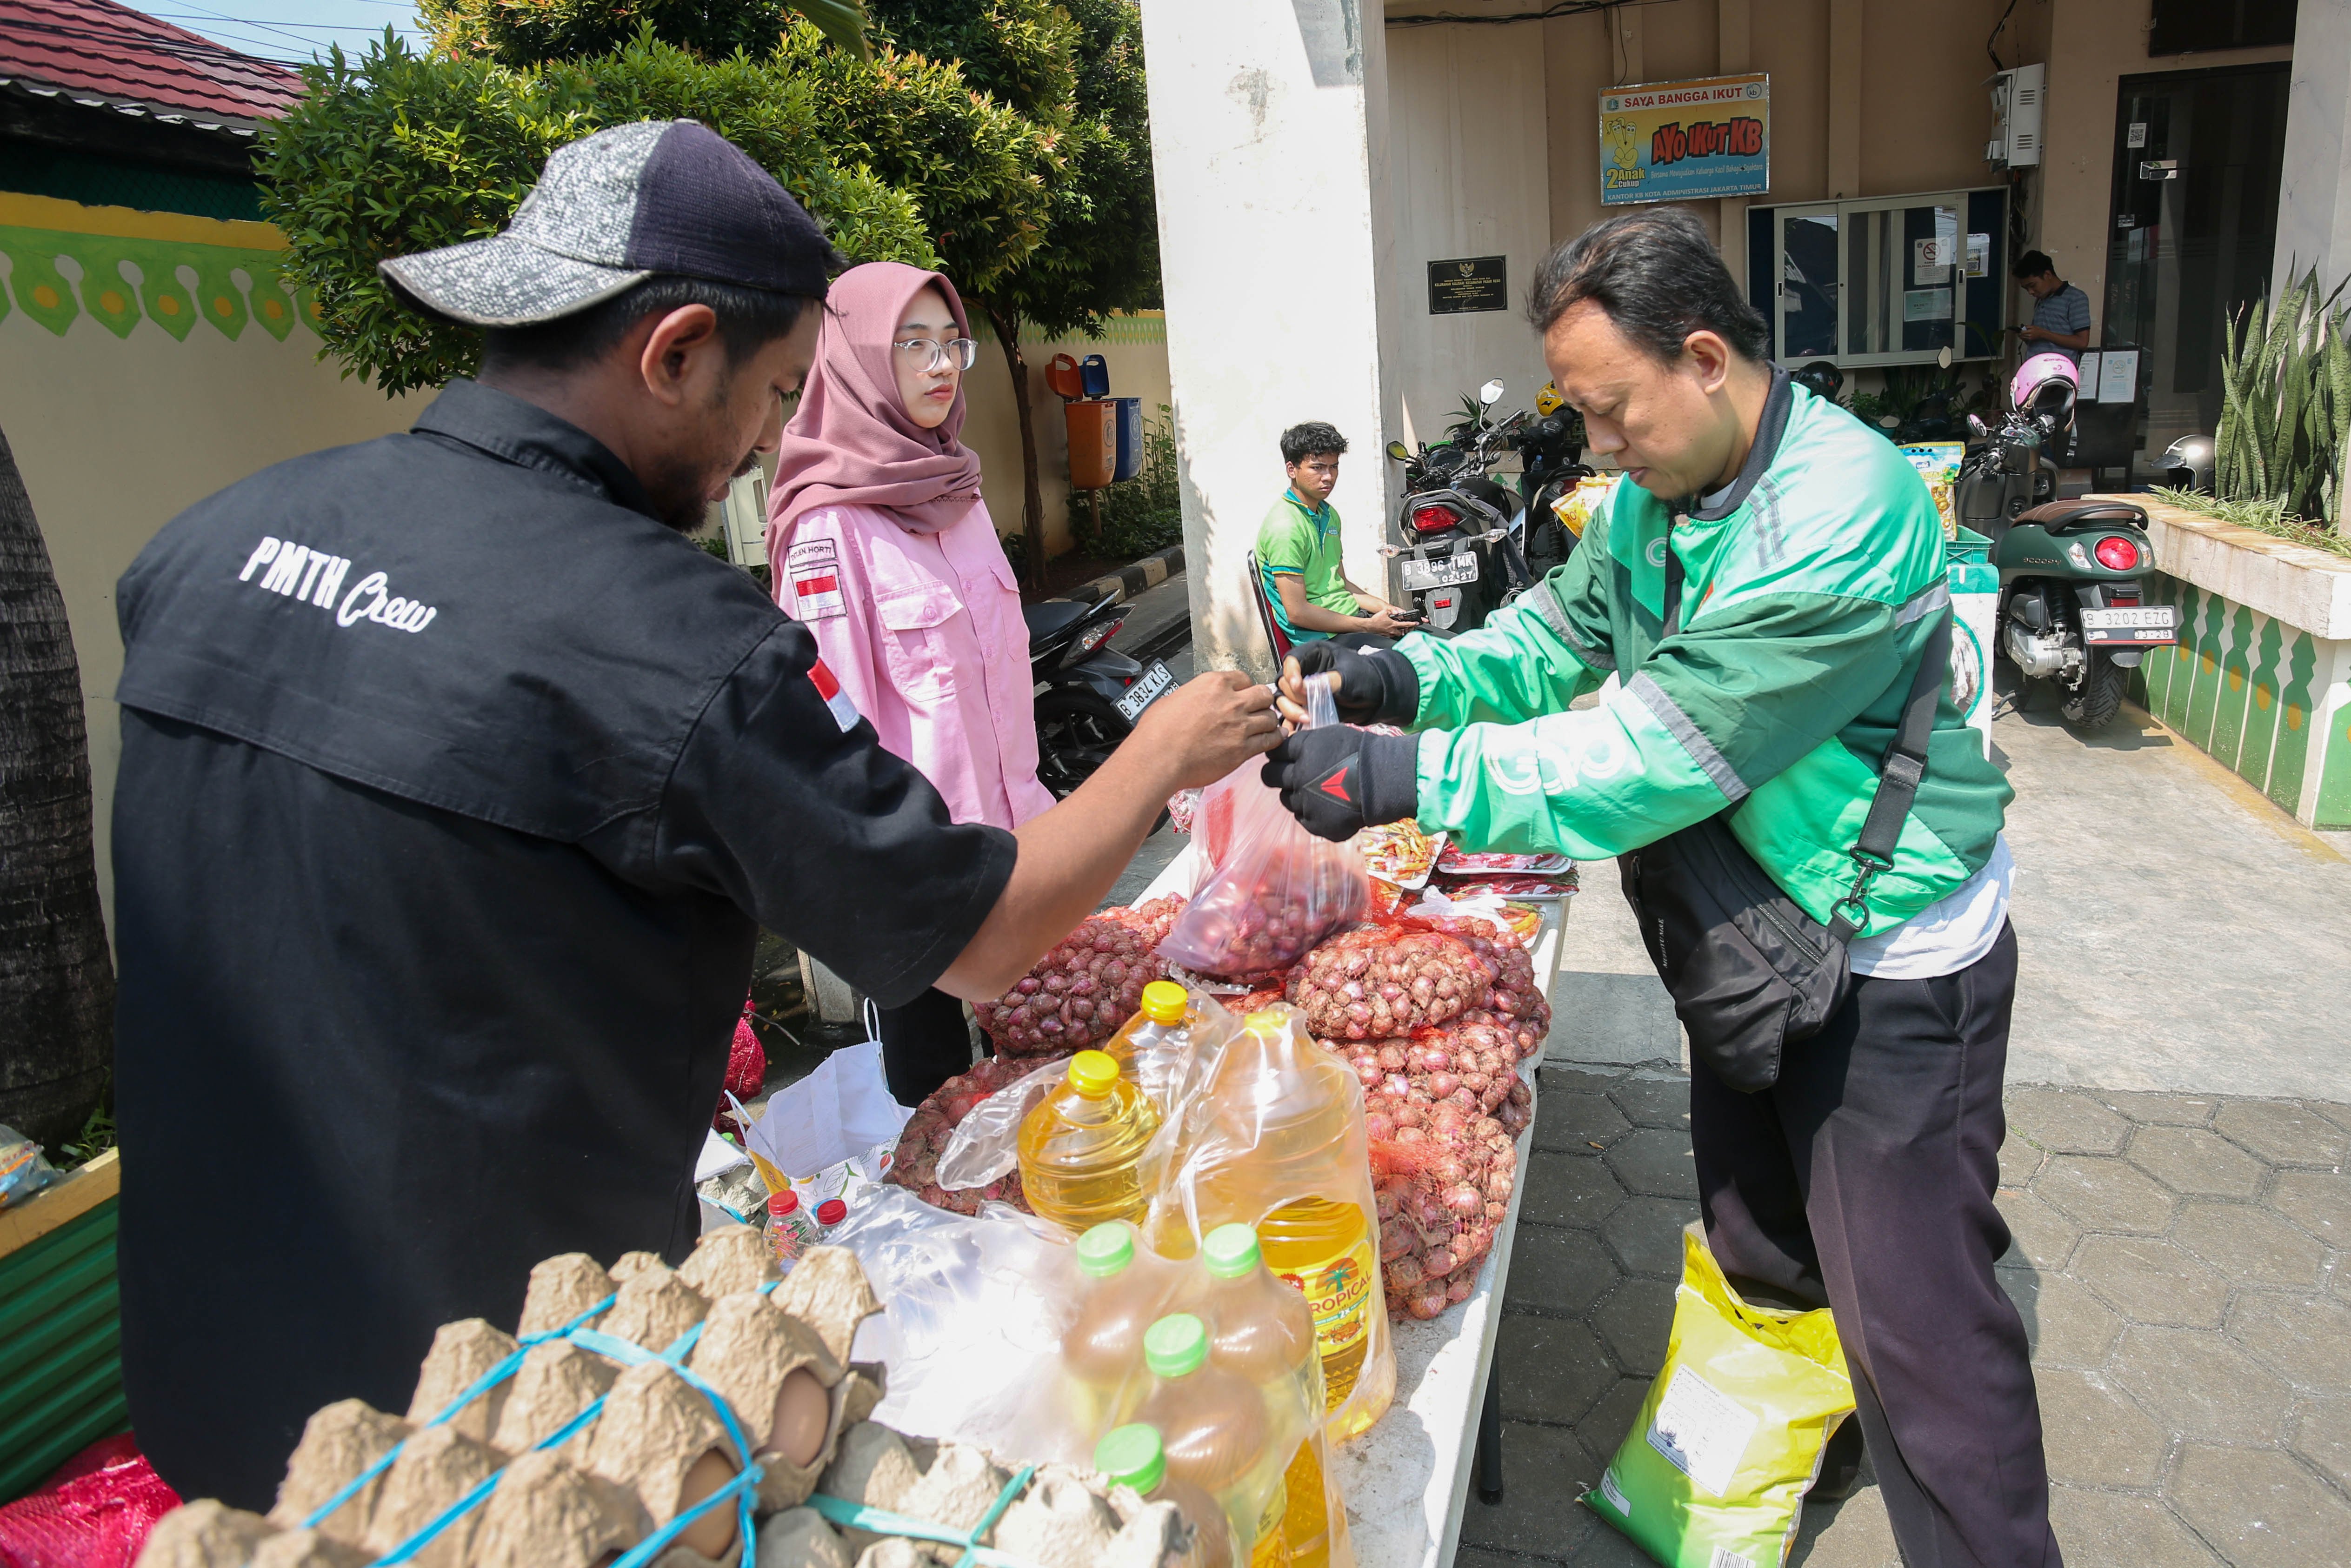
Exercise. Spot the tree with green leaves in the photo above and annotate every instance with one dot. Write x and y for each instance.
(527, 35)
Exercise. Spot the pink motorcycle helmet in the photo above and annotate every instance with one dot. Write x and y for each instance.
(2045, 383)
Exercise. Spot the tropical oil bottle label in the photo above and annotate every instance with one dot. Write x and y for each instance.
(1340, 1292)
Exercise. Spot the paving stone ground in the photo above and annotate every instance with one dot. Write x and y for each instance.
(2182, 1262)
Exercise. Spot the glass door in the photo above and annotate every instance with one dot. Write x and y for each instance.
(1808, 283)
(2189, 241)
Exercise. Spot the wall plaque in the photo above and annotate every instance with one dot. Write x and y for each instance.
(1467, 283)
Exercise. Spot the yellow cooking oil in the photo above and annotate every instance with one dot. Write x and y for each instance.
(1082, 1146)
(1324, 1251)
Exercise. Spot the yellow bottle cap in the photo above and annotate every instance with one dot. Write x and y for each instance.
(1093, 1073)
(1164, 1002)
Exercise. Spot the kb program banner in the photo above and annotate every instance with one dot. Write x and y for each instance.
(1681, 140)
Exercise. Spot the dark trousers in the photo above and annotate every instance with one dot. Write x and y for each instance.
(1862, 1181)
(924, 1044)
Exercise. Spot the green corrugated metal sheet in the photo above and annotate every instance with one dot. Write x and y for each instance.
(61, 1350)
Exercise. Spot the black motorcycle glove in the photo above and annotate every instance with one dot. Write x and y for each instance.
(1335, 780)
(1376, 688)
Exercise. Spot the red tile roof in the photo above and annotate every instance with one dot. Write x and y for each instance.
(96, 49)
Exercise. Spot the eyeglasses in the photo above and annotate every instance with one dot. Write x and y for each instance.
(930, 354)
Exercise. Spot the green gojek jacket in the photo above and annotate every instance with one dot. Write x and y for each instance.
(1809, 593)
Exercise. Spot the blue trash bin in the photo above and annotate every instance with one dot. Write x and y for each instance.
(1129, 420)
(1094, 373)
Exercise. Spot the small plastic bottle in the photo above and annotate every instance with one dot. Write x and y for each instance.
(831, 1212)
(790, 1229)
(1132, 1455)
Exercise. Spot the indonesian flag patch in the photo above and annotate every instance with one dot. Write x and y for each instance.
(836, 701)
(814, 571)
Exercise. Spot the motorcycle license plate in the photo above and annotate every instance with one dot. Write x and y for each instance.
(1149, 687)
(1443, 573)
(2131, 625)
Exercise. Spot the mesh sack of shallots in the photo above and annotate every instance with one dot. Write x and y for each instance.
(1513, 996)
(1091, 983)
(916, 1165)
(1377, 982)
(1441, 1185)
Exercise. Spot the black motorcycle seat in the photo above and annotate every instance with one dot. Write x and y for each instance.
(2083, 513)
(1051, 617)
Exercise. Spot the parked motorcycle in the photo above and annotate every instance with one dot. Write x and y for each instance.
(2073, 609)
(1463, 561)
(1550, 453)
(1087, 693)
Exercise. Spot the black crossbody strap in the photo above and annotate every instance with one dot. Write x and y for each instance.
(1899, 778)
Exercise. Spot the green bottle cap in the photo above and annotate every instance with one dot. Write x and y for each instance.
(1175, 1346)
(1132, 1455)
(1106, 1249)
(1230, 1252)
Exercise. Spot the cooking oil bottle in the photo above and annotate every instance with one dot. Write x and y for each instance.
(1126, 1289)
(1082, 1144)
(1281, 1148)
(1259, 1331)
(1151, 1048)
(1214, 1428)
(1133, 1455)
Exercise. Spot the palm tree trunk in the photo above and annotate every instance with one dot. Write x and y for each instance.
(1033, 497)
(57, 980)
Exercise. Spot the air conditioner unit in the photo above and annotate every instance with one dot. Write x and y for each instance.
(2016, 102)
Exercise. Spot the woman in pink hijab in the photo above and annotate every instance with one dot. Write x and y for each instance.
(881, 545)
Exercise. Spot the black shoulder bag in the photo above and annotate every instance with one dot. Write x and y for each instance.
(1750, 973)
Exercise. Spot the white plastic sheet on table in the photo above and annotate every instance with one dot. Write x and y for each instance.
(1406, 1481)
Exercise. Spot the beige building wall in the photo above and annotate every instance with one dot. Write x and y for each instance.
(116, 435)
(1134, 348)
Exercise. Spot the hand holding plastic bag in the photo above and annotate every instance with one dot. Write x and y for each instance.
(1277, 889)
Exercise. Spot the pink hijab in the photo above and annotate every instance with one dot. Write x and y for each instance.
(851, 441)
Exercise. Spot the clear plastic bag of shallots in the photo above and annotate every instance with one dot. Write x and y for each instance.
(1277, 889)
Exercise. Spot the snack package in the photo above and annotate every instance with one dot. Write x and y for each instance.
(1574, 508)
(1939, 464)
(23, 1171)
(1731, 1436)
(1277, 889)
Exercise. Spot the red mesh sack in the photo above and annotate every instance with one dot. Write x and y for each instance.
(746, 1072)
(95, 1512)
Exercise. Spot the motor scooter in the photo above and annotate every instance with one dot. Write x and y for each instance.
(2073, 608)
(1088, 694)
(1463, 561)
(1551, 463)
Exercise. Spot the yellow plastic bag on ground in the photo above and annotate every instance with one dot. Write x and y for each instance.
(1713, 1475)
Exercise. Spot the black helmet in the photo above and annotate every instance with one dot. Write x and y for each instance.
(1822, 377)
(2189, 463)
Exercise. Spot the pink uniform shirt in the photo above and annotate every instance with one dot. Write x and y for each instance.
(924, 632)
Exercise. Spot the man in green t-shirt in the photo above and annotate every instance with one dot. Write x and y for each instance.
(1298, 552)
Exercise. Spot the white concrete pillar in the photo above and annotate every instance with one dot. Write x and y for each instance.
(1269, 144)
(2314, 227)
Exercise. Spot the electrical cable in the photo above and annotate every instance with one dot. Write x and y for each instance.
(1996, 28)
(1504, 19)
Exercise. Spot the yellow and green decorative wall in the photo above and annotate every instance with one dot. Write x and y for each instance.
(2266, 699)
(117, 268)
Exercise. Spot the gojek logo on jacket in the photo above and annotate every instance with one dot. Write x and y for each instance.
(315, 577)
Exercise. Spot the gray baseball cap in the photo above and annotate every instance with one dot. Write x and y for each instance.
(613, 209)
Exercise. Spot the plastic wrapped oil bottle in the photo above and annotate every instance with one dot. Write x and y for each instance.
(1127, 1288)
(1216, 1430)
(1274, 1139)
(1150, 1049)
(1132, 1455)
(1260, 1330)
(1082, 1144)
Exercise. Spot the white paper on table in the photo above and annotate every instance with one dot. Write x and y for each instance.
(838, 1112)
